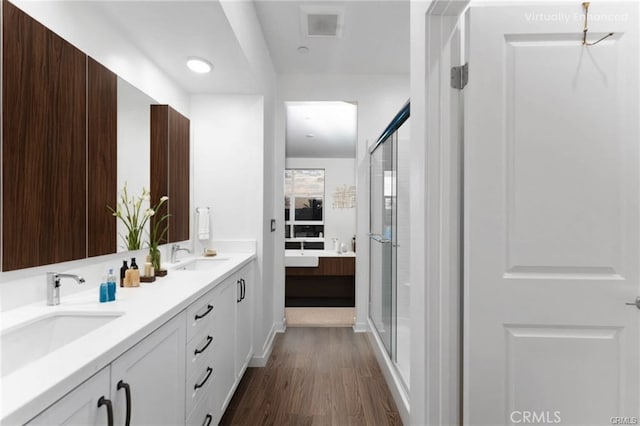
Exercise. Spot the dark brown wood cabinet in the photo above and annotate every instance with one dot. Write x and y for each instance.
(330, 284)
(170, 168)
(102, 157)
(44, 145)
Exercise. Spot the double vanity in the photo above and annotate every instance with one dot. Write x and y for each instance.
(170, 352)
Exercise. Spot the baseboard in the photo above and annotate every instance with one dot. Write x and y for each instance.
(360, 327)
(391, 375)
(260, 360)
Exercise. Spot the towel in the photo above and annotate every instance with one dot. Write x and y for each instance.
(203, 223)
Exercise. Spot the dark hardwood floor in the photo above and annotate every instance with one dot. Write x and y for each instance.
(315, 376)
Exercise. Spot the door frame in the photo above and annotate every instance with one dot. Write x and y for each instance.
(437, 44)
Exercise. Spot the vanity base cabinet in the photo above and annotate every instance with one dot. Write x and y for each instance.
(153, 370)
(244, 320)
(80, 406)
(224, 335)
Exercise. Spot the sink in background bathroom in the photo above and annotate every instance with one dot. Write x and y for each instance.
(301, 258)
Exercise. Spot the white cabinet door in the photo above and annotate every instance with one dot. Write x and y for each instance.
(244, 315)
(80, 406)
(551, 215)
(154, 370)
(224, 343)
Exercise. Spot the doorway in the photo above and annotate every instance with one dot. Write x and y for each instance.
(320, 213)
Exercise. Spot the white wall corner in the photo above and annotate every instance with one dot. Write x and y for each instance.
(261, 359)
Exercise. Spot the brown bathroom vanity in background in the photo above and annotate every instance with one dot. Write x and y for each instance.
(330, 284)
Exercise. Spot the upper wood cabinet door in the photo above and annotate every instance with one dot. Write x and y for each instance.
(44, 145)
(102, 152)
(170, 168)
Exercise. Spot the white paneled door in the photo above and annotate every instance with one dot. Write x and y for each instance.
(551, 215)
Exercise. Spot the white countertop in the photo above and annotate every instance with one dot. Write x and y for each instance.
(31, 389)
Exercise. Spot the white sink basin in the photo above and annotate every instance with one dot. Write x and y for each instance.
(301, 261)
(202, 264)
(30, 341)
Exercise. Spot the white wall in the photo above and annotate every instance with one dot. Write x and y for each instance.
(338, 223)
(226, 133)
(244, 22)
(379, 98)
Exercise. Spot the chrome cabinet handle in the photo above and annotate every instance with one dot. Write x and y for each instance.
(127, 393)
(201, 384)
(104, 401)
(209, 308)
(239, 285)
(636, 303)
(204, 348)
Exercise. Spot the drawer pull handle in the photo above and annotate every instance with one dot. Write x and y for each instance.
(104, 401)
(201, 384)
(204, 348)
(207, 420)
(209, 309)
(127, 393)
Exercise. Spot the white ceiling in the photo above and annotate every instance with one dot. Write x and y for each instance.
(321, 130)
(169, 32)
(375, 37)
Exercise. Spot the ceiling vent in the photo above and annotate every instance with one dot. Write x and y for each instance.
(319, 21)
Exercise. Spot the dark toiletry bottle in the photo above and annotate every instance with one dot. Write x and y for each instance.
(123, 271)
(134, 265)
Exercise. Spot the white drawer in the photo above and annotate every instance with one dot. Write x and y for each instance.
(204, 413)
(200, 315)
(200, 352)
(199, 386)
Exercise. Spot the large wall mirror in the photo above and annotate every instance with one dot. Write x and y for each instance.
(134, 145)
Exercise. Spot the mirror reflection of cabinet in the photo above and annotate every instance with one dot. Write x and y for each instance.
(170, 168)
(102, 146)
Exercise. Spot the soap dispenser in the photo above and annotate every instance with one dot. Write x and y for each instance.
(123, 272)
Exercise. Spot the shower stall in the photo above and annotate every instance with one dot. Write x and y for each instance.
(389, 290)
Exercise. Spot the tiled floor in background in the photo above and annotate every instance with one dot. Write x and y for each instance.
(320, 317)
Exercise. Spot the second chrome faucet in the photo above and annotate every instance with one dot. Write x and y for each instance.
(174, 251)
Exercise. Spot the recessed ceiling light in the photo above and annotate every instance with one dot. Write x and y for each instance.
(303, 49)
(199, 65)
(310, 135)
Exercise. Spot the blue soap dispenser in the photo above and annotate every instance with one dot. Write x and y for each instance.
(111, 286)
(104, 290)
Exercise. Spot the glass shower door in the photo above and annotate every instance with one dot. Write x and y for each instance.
(381, 241)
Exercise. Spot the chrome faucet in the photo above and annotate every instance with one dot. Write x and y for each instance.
(53, 286)
(174, 251)
(302, 247)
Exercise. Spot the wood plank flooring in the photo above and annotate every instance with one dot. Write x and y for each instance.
(315, 376)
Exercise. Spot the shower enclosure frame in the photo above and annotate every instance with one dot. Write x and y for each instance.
(383, 240)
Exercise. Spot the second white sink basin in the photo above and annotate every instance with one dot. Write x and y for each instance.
(202, 264)
(30, 341)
